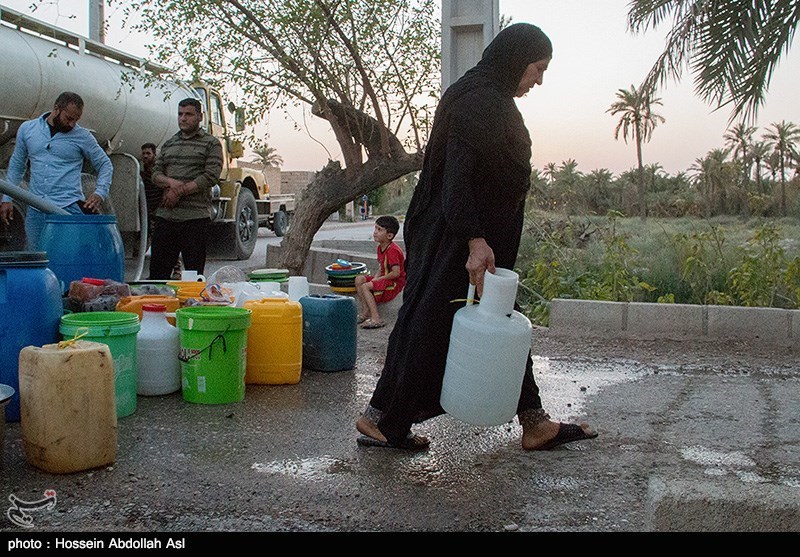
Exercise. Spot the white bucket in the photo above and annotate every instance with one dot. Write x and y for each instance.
(489, 347)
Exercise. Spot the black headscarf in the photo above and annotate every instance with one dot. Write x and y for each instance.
(479, 109)
(498, 72)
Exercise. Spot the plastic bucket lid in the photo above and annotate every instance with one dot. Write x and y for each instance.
(81, 219)
(23, 258)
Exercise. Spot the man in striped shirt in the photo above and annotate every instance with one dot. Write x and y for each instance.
(186, 168)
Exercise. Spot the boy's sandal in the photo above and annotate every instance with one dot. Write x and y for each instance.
(370, 324)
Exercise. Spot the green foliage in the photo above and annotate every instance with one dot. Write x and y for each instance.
(689, 261)
(759, 278)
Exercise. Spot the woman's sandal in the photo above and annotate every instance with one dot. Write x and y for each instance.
(411, 443)
(370, 324)
(361, 319)
(567, 433)
(367, 428)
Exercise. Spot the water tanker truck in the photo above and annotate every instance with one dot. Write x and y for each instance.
(128, 102)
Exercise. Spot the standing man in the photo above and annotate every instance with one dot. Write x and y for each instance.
(186, 168)
(56, 147)
(152, 192)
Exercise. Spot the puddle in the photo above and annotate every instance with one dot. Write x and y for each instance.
(314, 469)
(717, 459)
(565, 385)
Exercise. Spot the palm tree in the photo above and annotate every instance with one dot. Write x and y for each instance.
(783, 138)
(637, 121)
(759, 150)
(709, 172)
(268, 156)
(731, 47)
(550, 171)
(738, 139)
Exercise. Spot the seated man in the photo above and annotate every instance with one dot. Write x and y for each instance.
(390, 279)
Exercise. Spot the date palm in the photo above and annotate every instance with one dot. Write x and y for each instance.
(760, 151)
(268, 156)
(783, 137)
(637, 121)
(731, 47)
(738, 140)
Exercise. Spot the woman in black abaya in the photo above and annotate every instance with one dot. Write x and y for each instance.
(465, 217)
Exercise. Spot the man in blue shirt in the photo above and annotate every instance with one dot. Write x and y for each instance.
(56, 147)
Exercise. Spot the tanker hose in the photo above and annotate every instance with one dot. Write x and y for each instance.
(25, 196)
(143, 230)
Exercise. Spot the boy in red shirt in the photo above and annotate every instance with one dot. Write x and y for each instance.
(390, 279)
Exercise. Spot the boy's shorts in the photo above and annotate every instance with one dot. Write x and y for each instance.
(383, 290)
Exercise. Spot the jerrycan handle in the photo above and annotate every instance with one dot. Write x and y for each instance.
(470, 294)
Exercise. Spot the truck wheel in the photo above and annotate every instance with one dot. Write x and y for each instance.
(281, 223)
(246, 224)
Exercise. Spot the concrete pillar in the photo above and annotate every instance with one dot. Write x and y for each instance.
(97, 30)
(468, 26)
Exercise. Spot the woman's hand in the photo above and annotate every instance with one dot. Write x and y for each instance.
(481, 259)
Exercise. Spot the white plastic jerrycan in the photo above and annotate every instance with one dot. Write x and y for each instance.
(489, 347)
(157, 347)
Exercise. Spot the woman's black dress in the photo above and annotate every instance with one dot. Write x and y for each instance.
(474, 182)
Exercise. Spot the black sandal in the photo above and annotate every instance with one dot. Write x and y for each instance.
(410, 443)
(567, 433)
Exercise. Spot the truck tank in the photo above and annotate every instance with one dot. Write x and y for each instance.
(121, 108)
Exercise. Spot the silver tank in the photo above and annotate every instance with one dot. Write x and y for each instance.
(122, 113)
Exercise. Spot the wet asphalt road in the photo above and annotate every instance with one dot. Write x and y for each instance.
(285, 459)
(693, 436)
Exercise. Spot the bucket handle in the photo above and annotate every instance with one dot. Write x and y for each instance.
(219, 338)
(80, 332)
(470, 299)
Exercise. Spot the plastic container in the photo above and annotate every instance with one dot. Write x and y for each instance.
(134, 304)
(275, 342)
(489, 347)
(117, 329)
(158, 370)
(30, 309)
(213, 353)
(83, 246)
(330, 332)
(298, 287)
(69, 420)
(6, 394)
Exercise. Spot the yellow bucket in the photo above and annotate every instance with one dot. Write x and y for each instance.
(274, 342)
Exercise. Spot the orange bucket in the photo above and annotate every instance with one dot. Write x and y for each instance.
(133, 304)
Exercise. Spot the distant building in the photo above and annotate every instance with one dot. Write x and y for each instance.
(295, 181)
(281, 181)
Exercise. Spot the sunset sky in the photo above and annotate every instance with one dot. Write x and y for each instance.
(594, 56)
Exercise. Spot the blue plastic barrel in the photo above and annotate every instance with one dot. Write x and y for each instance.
(30, 312)
(81, 246)
(329, 332)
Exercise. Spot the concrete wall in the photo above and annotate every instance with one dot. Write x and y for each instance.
(295, 181)
(773, 326)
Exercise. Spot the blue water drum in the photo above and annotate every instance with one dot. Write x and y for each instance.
(329, 332)
(81, 246)
(30, 311)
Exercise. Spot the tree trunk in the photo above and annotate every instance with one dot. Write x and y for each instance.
(642, 192)
(332, 188)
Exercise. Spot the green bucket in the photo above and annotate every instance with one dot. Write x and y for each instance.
(117, 329)
(213, 353)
